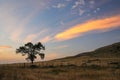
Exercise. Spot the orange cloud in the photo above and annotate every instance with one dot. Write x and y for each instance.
(46, 39)
(5, 47)
(30, 37)
(80, 29)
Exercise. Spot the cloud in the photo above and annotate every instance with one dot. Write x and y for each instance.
(8, 21)
(32, 37)
(93, 25)
(11, 22)
(96, 10)
(60, 5)
(14, 19)
(81, 12)
(78, 3)
(46, 39)
(15, 35)
(92, 2)
(5, 47)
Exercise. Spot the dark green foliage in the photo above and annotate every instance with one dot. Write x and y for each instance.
(31, 50)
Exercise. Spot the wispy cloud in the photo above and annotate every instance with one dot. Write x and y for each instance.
(78, 3)
(11, 22)
(79, 29)
(5, 47)
(15, 23)
(59, 5)
(15, 35)
(81, 12)
(46, 39)
(31, 37)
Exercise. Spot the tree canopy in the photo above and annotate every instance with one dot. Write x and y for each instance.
(31, 50)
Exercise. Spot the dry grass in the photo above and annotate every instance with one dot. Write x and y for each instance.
(77, 69)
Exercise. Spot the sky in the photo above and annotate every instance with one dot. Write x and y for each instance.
(65, 27)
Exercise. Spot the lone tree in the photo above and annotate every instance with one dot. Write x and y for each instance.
(31, 50)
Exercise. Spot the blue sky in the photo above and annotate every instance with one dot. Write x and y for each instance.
(65, 27)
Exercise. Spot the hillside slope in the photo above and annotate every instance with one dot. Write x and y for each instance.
(101, 56)
(112, 50)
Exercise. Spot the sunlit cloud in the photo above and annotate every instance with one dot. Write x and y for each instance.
(14, 23)
(31, 37)
(5, 47)
(15, 35)
(46, 39)
(11, 22)
(99, 24)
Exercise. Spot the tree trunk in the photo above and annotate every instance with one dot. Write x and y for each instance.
(32, 62)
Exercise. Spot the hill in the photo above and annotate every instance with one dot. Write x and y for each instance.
(112, 50)
(101, 56)
(108, 51)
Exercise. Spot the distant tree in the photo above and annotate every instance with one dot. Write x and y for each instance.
(31, 50)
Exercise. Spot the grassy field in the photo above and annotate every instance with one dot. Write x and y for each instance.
(81, 69)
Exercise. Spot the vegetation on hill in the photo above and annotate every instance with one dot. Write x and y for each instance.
(106, 51)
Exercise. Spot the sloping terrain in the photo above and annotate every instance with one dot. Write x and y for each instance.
(106, 51)
(110, 51)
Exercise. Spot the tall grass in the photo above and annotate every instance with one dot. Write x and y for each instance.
(59, 70)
